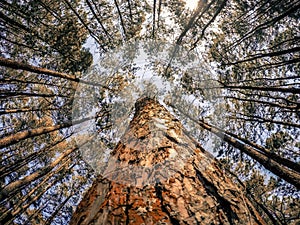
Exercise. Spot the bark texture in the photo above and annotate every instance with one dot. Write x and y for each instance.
(158, 174)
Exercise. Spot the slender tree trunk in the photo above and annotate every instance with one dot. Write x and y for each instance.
(260, 88)
(267, 24)
(27, 67)
(93, 35)
(29, 133)
(153, 18)
(217, 12)
(19, 163)
(15, 94)
(34, 194)
(276, 165)
(259, 119)
(157, 174)
(15, 186)
(24, 110)
(98, 19)
(199, 12)
(121, 19)
(269, 54)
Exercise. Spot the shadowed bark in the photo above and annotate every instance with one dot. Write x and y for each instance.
(158, 174)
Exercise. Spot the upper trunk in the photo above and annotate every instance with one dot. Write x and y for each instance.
(158, 174)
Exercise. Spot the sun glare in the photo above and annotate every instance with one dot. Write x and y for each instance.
(191, 4)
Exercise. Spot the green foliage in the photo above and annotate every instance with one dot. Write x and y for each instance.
(50, 36)
(277, 140)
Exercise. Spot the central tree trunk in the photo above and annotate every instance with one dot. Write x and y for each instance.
(158, 174)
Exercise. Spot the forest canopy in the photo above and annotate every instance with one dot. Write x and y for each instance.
(71, 71)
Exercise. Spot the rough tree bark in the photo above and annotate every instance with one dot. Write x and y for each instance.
(158, 174)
